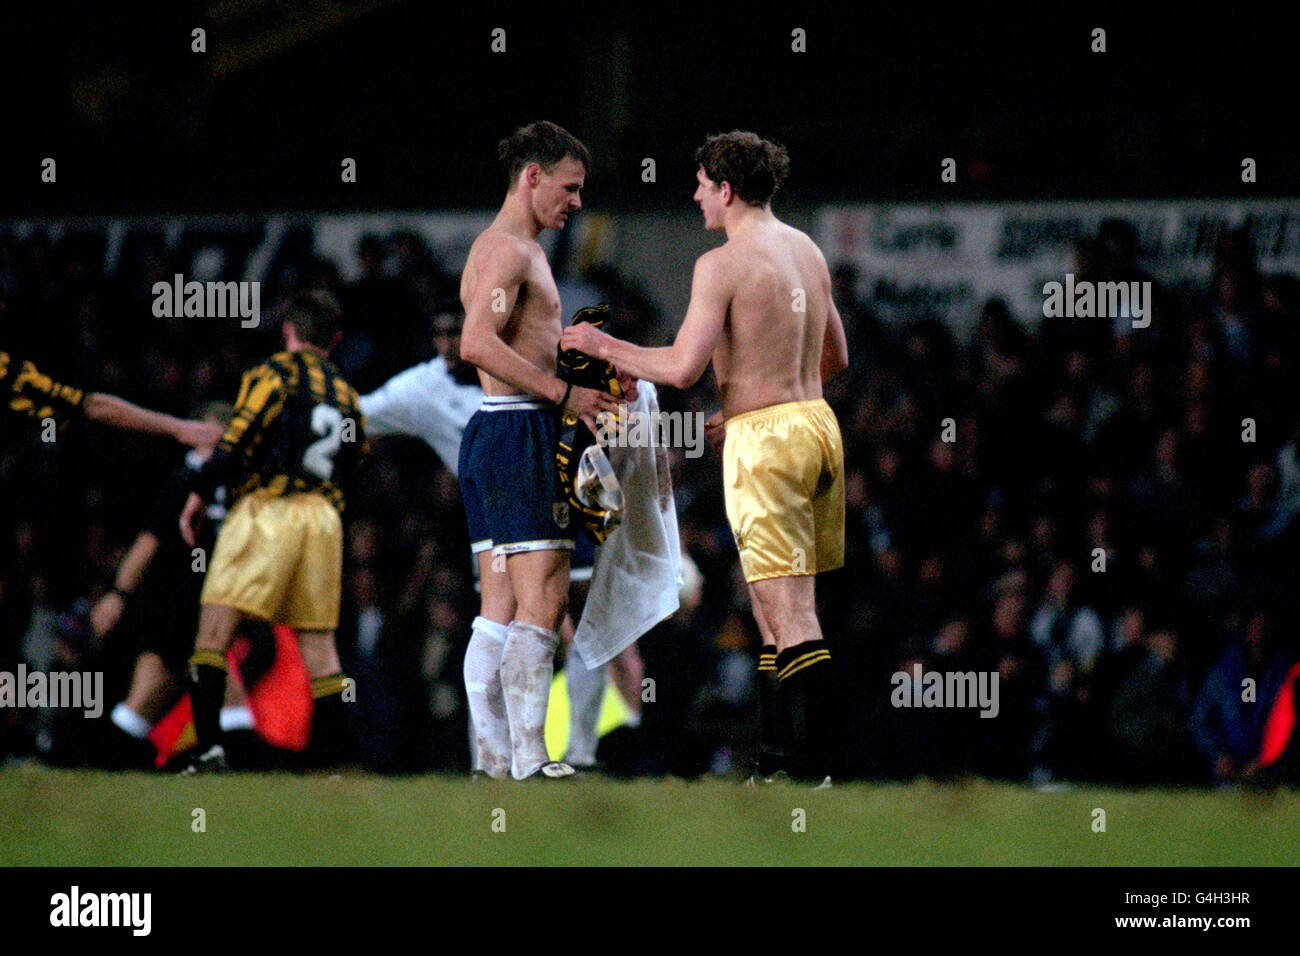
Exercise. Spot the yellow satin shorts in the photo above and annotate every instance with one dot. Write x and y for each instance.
(783, 479)
(279, 559)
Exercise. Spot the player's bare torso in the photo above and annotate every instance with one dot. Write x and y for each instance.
(771, 345)
(534, 326)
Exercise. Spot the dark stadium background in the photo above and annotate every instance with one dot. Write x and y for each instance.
(413, 93)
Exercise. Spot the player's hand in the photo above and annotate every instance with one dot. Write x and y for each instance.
(628, 384)
(584, 337)
(715, 430)
(191, 518)
(106, 613)
(198, 434)
(587, 403)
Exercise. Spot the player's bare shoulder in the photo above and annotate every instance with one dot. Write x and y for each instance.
(810, 261)
(717, 269)
(801, 242)
(496, 255)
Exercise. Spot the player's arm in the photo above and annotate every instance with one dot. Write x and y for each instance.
(108, 609)
(118, 413)
(384, 415)
(404, 404)
(682, 363)
(26, 391)
(835, 347)
(480, 341)
(36, 395)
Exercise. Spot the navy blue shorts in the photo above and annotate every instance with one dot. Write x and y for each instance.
(584, 557)
(508, 478)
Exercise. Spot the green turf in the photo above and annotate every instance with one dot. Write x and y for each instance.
(84, 818)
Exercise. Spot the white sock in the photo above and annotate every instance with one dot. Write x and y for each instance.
(586, 692)
(129, 722)
(487, 704)
(526, 669)
(237, 718)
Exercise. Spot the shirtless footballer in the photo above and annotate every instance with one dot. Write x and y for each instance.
(761, 309)
(507, 458)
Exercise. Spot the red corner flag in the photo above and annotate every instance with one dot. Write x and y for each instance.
(1281, 720)
(281, 702)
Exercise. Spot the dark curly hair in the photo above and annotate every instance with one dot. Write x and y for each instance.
(754, 166)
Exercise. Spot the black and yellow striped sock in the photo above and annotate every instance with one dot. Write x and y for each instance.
(330, 743)
(804, 673)
(773, 724)
(207, 691)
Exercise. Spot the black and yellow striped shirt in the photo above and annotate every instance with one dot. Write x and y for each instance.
(26, 391)
(297, 427)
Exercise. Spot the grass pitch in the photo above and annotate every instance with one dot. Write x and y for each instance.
(83, 818)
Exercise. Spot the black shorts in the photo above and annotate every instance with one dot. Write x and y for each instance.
(161, 625)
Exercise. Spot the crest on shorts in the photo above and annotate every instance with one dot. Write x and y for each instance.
(560, 511)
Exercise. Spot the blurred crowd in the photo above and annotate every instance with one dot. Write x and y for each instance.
(1101, 515)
